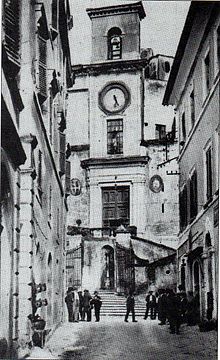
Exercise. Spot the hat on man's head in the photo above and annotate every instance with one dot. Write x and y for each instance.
(70, 289)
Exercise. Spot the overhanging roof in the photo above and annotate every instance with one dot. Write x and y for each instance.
(117, 9)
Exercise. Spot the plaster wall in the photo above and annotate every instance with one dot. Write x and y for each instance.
(94, 263)
(79, 205)
(162, 208)
(154, 111)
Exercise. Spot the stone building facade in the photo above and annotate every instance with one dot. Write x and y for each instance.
(193, 87)
(36, 74)
(123, 147)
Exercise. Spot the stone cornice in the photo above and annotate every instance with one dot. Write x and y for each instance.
(122, 161)
(109, 67)
(117, 9)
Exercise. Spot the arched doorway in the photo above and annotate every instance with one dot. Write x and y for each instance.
(108, 272)
(196, 292)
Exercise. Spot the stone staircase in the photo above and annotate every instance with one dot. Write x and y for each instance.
(115, 305)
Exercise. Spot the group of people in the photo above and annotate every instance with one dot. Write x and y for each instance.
(173, 308)
(170, 307)
(80, 304)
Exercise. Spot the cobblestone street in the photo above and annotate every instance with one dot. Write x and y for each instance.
(113, 339)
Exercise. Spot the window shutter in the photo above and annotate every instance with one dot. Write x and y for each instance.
(62, 153)
(209, 173)
(11, 28)
(68, 169)
(42, 64)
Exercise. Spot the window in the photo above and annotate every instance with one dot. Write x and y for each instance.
(62, 153)
(114, 44)
(39, 175)
(218, 46)
(183, 208)
(192, 108)
(183, 121)
(115, 136)
(11, 33)
(50, 204)
(208, 156)
(193, 196)
(207, 74)
(54, 14)
(67, 177)
(160, 132)
(42, 68)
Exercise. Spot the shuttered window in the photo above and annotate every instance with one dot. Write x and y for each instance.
(209, 173)
(11, 29)
(192, 107)
(183, 208)
(62, 153)
(193, 196)
(42, 66)
(54, 14)
(67, 176)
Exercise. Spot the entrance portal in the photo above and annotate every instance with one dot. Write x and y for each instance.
(108, 273)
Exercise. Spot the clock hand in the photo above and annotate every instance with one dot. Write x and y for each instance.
(116, 101)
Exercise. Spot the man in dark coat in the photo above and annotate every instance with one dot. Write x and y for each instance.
(173, 311)
(162, 307)
(130, 303)
(69, 299)
(150, 305)
(96, 301)
(87, 306)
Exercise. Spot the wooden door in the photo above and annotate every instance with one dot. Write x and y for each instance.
(115, 206)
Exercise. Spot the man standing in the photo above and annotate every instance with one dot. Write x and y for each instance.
(150, 305)
(69, 299)
(81, 306)
(130, 306)
(162, 315)
(173, 311)
(75, 305)
(96, 301)
(87, 307)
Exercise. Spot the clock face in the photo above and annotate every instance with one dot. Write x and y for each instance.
(114, 98)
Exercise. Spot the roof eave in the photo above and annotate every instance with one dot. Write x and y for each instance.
(181, 49)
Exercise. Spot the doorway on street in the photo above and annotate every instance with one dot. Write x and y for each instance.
(108, 266)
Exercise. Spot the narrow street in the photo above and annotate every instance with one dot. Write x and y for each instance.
(113, 339)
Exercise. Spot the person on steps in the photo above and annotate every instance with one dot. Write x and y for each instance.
(130, 304)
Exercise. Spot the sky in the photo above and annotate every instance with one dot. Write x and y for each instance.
(160, 29)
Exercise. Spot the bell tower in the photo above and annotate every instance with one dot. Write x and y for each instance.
(116, 32)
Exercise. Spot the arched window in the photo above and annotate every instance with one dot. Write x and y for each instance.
(114, 44)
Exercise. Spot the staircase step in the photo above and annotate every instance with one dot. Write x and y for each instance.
(115, 305)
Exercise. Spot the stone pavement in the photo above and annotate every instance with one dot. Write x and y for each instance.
(113, 339)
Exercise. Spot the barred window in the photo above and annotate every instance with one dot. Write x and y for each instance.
(115, 136)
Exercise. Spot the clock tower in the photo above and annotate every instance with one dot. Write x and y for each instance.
(105, 133)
